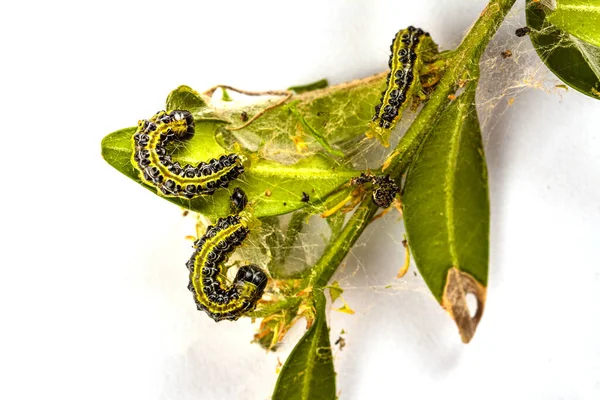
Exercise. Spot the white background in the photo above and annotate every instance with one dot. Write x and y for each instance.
(92, 287)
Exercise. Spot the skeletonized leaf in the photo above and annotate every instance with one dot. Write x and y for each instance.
(308, 371)
(275, 188)
(576, 62)
(446, 212)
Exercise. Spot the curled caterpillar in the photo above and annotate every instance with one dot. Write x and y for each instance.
(385, 188)
(403, 82)
(170, 178)
(208, 281)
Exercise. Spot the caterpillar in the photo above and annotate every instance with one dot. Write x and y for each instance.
(208, 281)
(408, 49)
(385, 188)
(157, 169)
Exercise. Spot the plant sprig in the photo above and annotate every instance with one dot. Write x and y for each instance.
(300, 144)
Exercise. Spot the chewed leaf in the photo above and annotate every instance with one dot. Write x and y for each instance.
(575, 61)
(273, 188)
(345, 308)
(186, 98)
(335, 291)
(580, 18)
(340, 114)
(308, 371)
(446, 211)
(279, 176)
(458, 286)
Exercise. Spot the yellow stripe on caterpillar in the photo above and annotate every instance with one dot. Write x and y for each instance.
(208, 281)
(409, 49)
(157, 169)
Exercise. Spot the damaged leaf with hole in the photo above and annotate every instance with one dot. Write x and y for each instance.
(446, 211)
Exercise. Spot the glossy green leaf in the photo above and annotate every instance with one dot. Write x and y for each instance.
(574, 61)
(273, 188)
(580, 18)
(446, 205)
(308, 372)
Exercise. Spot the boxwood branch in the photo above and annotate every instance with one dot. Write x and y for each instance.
(463, 63)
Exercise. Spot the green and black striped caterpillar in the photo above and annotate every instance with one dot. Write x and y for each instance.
(208, 280)
(408, 51)
(170, 178)
(385, 189)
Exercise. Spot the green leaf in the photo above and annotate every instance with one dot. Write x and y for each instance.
(308, 371)
(275, 188)
(225, 95)
(186, 98)
(446, 211)
(320, 84)
(580, 18)
(574, 61)
(272, 188)
(335, 291)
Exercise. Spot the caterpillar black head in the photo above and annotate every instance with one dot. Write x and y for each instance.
(181, 123)
(239, 200)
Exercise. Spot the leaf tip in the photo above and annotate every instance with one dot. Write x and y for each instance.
(458, 285)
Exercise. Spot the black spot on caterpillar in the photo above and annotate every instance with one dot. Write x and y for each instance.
(208, 281)
(170, 178)
(403, 82)
(385, 188)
